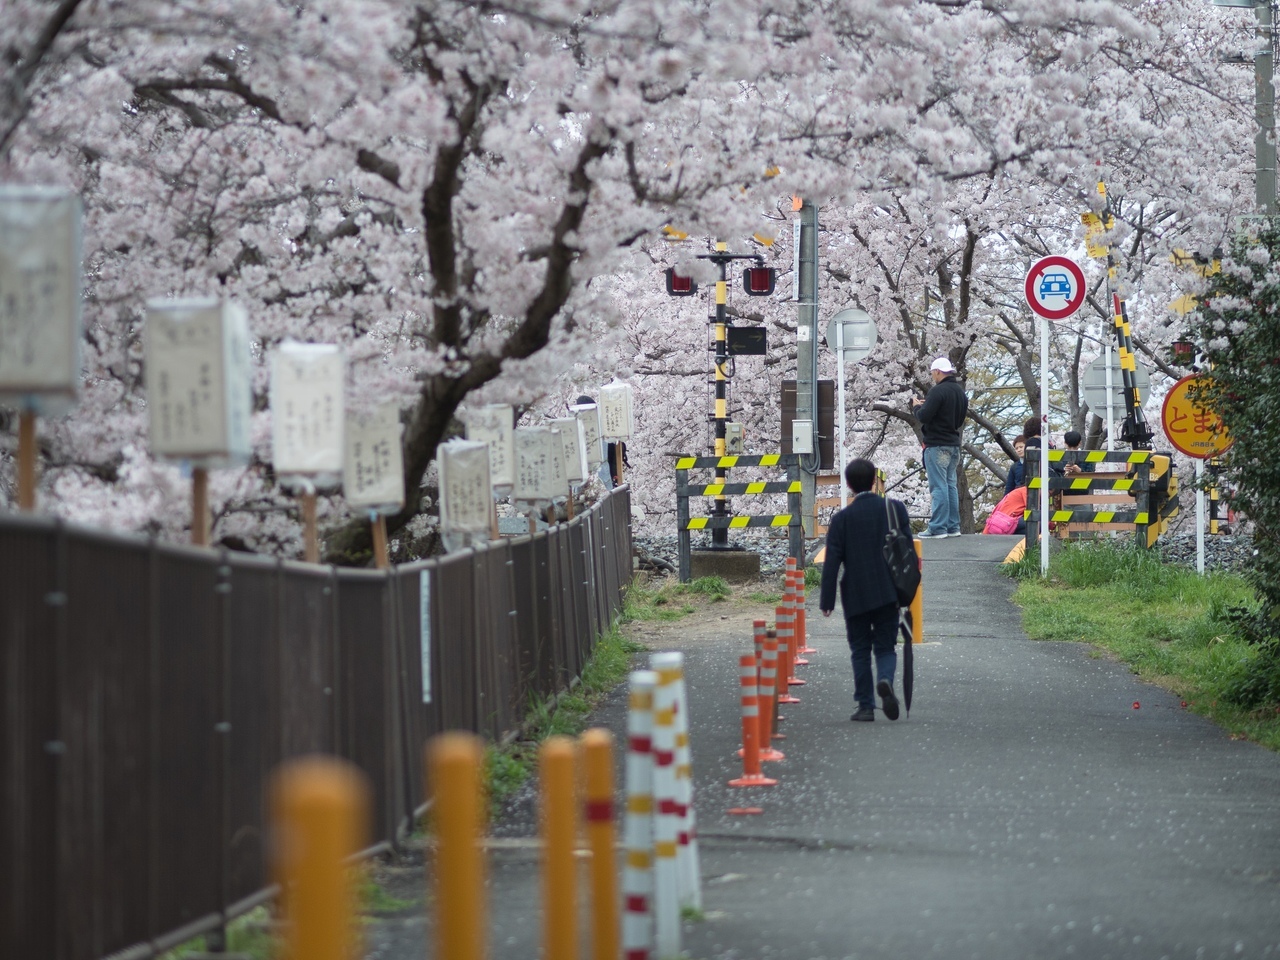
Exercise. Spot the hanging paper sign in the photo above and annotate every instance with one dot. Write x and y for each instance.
(39, 297)
(537, 454)
(373, 469)
(616, 421)
(495, 425)
(588, 414)
(573, 441)
(466, 497)
(198, 381)
(308, 390)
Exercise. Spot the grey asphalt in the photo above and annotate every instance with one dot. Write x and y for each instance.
(1024, 809)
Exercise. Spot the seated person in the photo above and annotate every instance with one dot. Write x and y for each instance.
(1013, 505)
(1017, 475)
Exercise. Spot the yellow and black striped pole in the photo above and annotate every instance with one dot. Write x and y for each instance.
(720, 535)
(1135, 429)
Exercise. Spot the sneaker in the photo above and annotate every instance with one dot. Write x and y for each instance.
(888, 702)
(955, 533)
(926, 535)
(864, 713)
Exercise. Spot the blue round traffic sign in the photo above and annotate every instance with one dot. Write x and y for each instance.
(1055, 287)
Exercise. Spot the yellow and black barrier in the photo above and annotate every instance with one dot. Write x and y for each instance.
(1143, 498)
(722, 489)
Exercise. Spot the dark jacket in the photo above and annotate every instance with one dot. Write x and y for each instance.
(855, 540)
(942, 414)
(1017, 477)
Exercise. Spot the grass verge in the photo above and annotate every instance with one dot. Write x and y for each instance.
(1170, 625)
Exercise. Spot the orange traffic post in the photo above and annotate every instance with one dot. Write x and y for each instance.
(795, 592)
(758, 628)
(597, 779)
(782, 618)
(751, 775)
(917, 603)
(559, 828)
(802, 631)
(769, 699)
(454, 762)
(320, 815)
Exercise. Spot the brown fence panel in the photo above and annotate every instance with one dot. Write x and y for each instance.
(454, 646)
(305, 628)
(29, 580)
(584, 629)
(252, 711)
(524, 585)
(421, 717)
(185, 782)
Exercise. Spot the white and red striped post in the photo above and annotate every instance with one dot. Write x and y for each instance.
(751, 775)
(670, 668)
(637, 876)
(795, 594)
(802, 623)
(667, 819)
(782, 620)
(758, 628)
(768, 699)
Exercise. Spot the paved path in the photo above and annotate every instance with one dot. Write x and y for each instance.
(1025, 809)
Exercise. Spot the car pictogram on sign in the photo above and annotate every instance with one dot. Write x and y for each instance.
(1055, 285)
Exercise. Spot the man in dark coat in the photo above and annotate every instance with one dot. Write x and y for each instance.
(855, 541)
(941, 415)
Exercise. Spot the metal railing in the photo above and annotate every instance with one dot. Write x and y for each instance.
(148, 690)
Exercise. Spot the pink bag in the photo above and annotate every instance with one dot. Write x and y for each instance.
(1000, 523)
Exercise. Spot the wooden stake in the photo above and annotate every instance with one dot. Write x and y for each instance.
(310, 538)
(381, 557)
(200, 507)
(569, 509)
(533, 519)
(617, 455)
(551, 515)
(494, 533)
(27, 461)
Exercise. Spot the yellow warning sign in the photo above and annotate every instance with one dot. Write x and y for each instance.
(1191, 428)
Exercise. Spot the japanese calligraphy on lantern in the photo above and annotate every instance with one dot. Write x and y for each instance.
(573, 442)
(308, 390)
(495, 425)
(39, 293)
(197, 374)
(537, 454)
(616, 422)
(588, 414)
(1192, 428)
(466, 497)
(373, 469)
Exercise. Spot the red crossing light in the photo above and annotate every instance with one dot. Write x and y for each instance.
(678, 285)
(759, 281)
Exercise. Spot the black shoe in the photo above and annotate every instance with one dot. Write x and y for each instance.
(864, 713)
(888, 702)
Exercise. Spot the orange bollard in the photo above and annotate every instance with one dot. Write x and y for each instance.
(795, 593)
(758, 628)
(320, 815)
(767, 693)
(917, 602)
(597, 781)
(751, 775)
(559, 828)
(785, 650)
(454, 764)
(802, 632)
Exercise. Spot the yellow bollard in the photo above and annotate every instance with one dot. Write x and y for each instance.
(559, 826)
(320, 813)
(917, 604)
(597, 780)
(454, 762)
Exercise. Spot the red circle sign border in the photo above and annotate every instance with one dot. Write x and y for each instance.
(1164, 408)
(1038, 268)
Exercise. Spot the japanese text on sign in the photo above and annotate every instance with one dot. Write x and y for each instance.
(1192, 428)
(373, 469)
(307, 403)
(615, 411)
(537, 451)
(39, 291)
(495, 425)
(466, 497)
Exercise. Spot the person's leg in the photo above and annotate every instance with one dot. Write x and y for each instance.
(858, 631)
(884, 636)
(936, 471)
(953, 491)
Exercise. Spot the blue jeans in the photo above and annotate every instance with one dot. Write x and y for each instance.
(875, 630)
(941, 464)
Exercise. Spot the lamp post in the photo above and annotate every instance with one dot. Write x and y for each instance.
(1264, 104)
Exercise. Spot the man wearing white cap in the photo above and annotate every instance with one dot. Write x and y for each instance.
(941, 415)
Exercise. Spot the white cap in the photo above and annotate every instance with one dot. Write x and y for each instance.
(943, 365)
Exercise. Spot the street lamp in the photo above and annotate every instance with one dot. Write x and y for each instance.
(1264, 104)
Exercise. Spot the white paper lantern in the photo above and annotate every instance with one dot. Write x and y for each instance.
(466, 495)
(537, 454)
(373, 469)
(588, 414)
(198, 381)
(39, 298)
(616, 421)
(495, 424)
(573, 442)
(308, 392)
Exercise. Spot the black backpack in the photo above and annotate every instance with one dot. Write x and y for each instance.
(900, 555)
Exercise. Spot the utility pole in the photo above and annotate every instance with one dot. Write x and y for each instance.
(1264, 111)
(807, 359)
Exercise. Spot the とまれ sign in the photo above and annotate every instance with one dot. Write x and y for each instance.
(308, 410)
(198, 381)
(1192, 428)
(1054, 287)
(373, 469)
(40, 298)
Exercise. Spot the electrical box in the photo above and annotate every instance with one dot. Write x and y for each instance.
(733, 439)
(802, 436)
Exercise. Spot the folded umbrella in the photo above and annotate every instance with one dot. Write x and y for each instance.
(906, 627)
